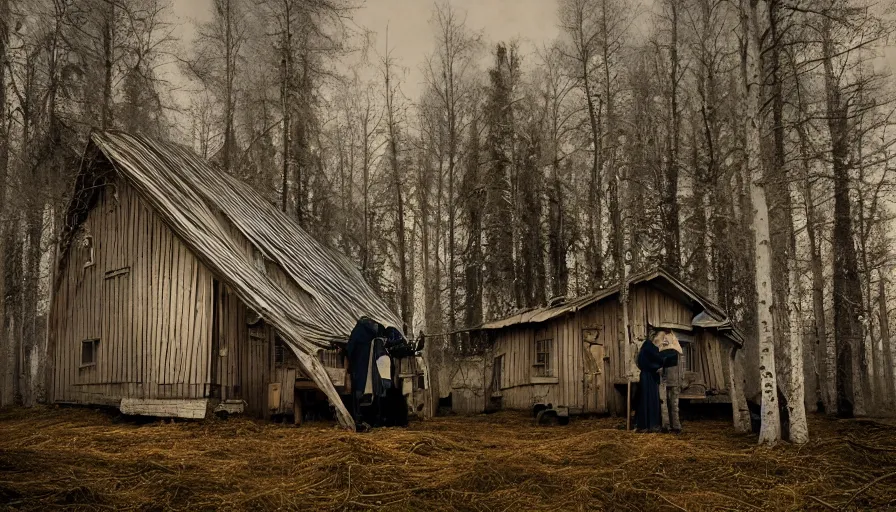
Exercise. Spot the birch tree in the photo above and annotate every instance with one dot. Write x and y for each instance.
(770, 432)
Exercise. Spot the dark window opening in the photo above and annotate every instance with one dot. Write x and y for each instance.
(498, 373)
(89, 352)
(688, 356)
(279, 351)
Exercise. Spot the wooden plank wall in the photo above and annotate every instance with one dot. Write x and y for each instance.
(515, 344)
(711, 357)
(147, 298)
(606, 316)
(522, 388)
(245, 355)
(469, 388)
(647, 304)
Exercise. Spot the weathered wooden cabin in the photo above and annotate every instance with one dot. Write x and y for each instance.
(180, 290)
(576, 354)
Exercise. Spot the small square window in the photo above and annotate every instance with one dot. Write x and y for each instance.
(279, 351)
(89, 352)
(544, 366)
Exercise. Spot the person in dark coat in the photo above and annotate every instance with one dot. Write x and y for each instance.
(650, 361)
(359, 348)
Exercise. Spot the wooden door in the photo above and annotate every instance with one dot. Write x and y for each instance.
(595, 372)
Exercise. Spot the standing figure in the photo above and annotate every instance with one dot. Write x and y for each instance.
(670, 387)
(650, 361)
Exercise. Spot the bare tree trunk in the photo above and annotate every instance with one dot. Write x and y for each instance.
(285, 91)
(770, 432)
(889, 386)
(31, 277)
(556, 233)
(11, 330)
(595, 192)
(672, 235)
(108, 44)
(302, 139)
(229, 79)
(404, 290)
(824, 384)
(783, 246)
(796, 399)
(608, 149)
(6, 372)
(847, 288)
(473, 199)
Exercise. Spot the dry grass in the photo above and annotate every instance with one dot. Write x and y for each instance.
(79, 458)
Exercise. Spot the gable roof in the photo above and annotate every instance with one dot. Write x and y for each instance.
(214, 214)
(710, 316)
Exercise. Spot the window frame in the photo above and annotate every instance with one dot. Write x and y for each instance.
(94, 344)
(279, 351)
(544, 368)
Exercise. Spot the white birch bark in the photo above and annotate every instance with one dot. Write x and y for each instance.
(770, 431)
(796, 402)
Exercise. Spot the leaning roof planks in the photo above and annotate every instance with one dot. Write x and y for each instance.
(322, 295)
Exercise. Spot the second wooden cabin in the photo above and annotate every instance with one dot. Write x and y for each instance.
(577, 354)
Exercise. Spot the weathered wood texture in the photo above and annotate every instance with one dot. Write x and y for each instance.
(310, 293)
(170, 407)
(584, 374)
(244, 355)
(469, 395)
(148, 300)
(145, 297)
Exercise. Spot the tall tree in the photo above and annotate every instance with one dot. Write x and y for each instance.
(499, 262)
(559, 118)
(781, 237)
(448, 74)
(847, 288)
(670, 207)
(581, 29)
(473, 199)
(396, 190)
(770, 432)
(216, 64)
(7, 369)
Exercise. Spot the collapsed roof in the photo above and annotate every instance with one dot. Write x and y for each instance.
(215, 214)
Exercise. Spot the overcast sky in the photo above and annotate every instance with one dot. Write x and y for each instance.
(533, 22)
(410, 34)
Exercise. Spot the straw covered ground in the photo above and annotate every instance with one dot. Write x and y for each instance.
(81, 458)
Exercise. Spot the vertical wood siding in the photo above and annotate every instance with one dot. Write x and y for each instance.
(712, 356)
(146, 298)
(646, 305)
(522, 388)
